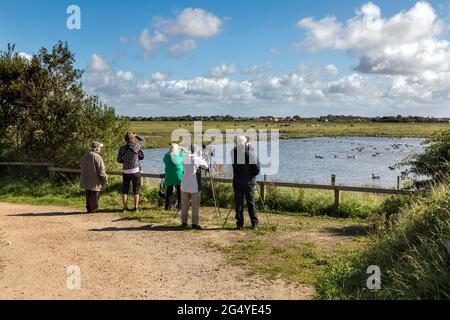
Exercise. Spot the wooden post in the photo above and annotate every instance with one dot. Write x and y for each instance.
(51, 173)
(337, 194)
(262, 192)
(398, 182)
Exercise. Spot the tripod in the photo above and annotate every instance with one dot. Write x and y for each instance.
(213, 189)
(263, 207)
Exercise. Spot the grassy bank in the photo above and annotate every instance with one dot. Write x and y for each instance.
(410, 252)
(38, 189)
(158, 132)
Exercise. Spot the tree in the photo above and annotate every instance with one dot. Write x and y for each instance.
(46, 111)
(435, 161)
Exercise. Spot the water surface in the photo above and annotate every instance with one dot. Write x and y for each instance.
(313, 160)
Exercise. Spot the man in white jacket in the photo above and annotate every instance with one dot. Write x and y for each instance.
(191, 186)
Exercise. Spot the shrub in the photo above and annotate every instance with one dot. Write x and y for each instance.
(46, 115)
(411, 254)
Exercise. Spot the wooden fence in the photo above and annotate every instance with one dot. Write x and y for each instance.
(263, 184)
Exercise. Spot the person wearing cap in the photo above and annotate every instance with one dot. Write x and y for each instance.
(191, 186)
(245, 169)
(93, 176)
(130, 155)
(173, 172)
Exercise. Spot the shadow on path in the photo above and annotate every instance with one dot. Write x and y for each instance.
(348, 230)
(150, 227)
(47, 214)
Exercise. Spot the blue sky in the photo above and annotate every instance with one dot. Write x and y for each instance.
(249, 57)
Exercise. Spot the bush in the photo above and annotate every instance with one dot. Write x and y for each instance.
(435, 161)
(46, 115)
(411, 254)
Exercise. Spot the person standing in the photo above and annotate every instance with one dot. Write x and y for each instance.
(130, 155)
(173, 172)
(191, 187)
(245, 169)
(93, 176)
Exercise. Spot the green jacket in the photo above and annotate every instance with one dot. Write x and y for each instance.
(173, 168)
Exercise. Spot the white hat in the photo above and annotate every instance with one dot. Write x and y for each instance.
(241, 140)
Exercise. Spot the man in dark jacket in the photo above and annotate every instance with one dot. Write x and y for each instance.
(245, 169)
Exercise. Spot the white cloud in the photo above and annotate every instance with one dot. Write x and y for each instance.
(331, 69)
(159, 76)
(181, 48)
(150, 44)
(196, 23)
(258, 68)
(98, 64)
(406, 43)
(125, 75)
(274, 50)
(223, 71)
(25, 55)
(123, 40)
(289, 93)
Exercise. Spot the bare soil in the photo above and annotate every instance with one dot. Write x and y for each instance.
(120, 259)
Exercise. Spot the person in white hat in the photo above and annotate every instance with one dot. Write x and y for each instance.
(191, 186)
(93, 176)
(245, 169)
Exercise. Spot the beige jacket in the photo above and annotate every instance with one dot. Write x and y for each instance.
(93, 172)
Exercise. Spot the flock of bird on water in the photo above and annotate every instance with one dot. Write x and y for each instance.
(395, 146)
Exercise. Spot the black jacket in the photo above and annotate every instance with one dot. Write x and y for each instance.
(245, 167)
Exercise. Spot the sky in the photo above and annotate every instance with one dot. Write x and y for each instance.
(249, 58)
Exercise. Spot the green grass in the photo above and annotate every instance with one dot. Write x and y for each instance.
(37, 189)
(409, 250)
(158, 132)
(312, 202)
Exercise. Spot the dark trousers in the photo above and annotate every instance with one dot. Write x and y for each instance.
(247, 192)
(92, 200)
(169, 197)
(128, 179)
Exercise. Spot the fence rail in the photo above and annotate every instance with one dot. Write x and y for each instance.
(263, 184)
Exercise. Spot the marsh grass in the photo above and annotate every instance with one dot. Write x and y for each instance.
(410, 250)
(159, 132)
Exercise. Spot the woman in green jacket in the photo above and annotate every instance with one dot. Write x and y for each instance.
(173, 162)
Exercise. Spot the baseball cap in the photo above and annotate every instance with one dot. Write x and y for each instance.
(96, 144)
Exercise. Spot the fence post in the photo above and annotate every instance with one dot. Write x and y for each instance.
(337, 194)
(398, 182)
(51, 172)
(262, 192)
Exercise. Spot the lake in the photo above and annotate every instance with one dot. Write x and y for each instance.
(313, 160)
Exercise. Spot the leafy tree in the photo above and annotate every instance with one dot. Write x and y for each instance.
(46, 112)
(435, 161)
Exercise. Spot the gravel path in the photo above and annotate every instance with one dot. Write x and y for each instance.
(118, 260)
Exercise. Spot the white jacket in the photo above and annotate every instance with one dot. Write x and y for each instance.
(191, 181)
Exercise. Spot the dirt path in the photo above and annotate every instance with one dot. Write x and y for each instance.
(118, 260)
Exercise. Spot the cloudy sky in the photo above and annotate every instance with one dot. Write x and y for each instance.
(247, 58)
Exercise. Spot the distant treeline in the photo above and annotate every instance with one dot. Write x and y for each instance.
(328, 118)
